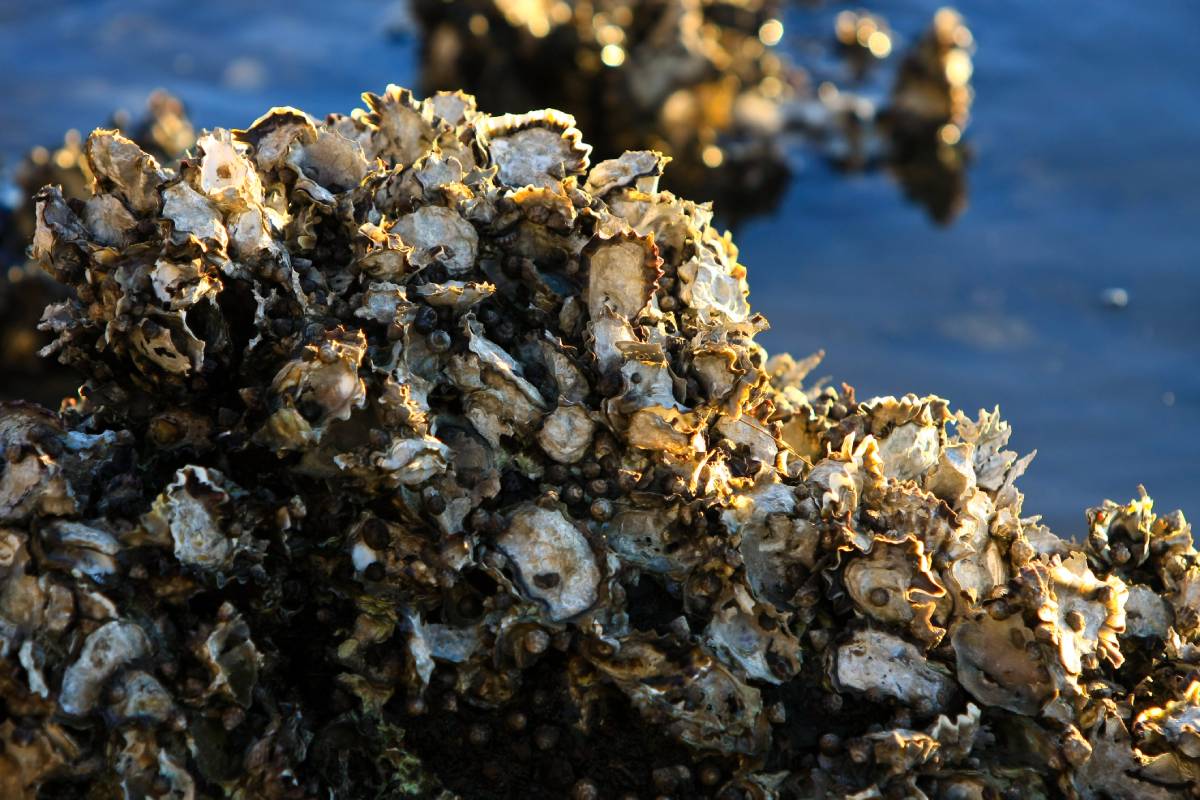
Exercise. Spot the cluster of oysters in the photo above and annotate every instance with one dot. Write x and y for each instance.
(420, 457)
(706, 83)
(165, 132)
(701, 81)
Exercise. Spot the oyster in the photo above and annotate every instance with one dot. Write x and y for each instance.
(552, 560)
(885, 665)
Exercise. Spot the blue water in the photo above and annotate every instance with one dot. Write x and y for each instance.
(1085, 176)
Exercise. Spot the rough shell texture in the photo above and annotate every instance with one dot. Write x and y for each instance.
(417, 456)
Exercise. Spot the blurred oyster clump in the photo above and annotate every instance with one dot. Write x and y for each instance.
(914, 125)
(419, 456)
(928, 115)
(715, 85)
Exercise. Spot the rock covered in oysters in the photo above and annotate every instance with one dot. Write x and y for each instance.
(419, 457)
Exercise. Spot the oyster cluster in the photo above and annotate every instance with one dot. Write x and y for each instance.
(700, 81)
(164, 131)
(707, 83)
(418, 456)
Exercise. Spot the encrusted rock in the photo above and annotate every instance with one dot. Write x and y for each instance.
(417, 456)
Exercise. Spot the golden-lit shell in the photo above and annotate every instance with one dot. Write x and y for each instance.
(226, 176)
(122, 167)
(540, 148)
(273, 135)
(1080, 613)
(623, 274)
(629, 169)
(895, 584)
(384, 255)
(909, 451)
(459, 295)
(1000, 664)
(1121, 534)
(714, 283)
(1177, 723)
(402, 129)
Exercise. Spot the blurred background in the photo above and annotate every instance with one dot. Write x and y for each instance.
(1002, 208)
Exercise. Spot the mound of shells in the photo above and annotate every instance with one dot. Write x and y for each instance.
(420, 457)
(164, 131)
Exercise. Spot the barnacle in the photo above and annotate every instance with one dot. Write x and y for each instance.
(418, 457)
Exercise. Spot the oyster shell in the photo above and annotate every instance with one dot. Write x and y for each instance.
(875, 661)
(106, 650)
(553, 561)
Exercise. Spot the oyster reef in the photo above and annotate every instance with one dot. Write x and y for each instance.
(420, 457)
